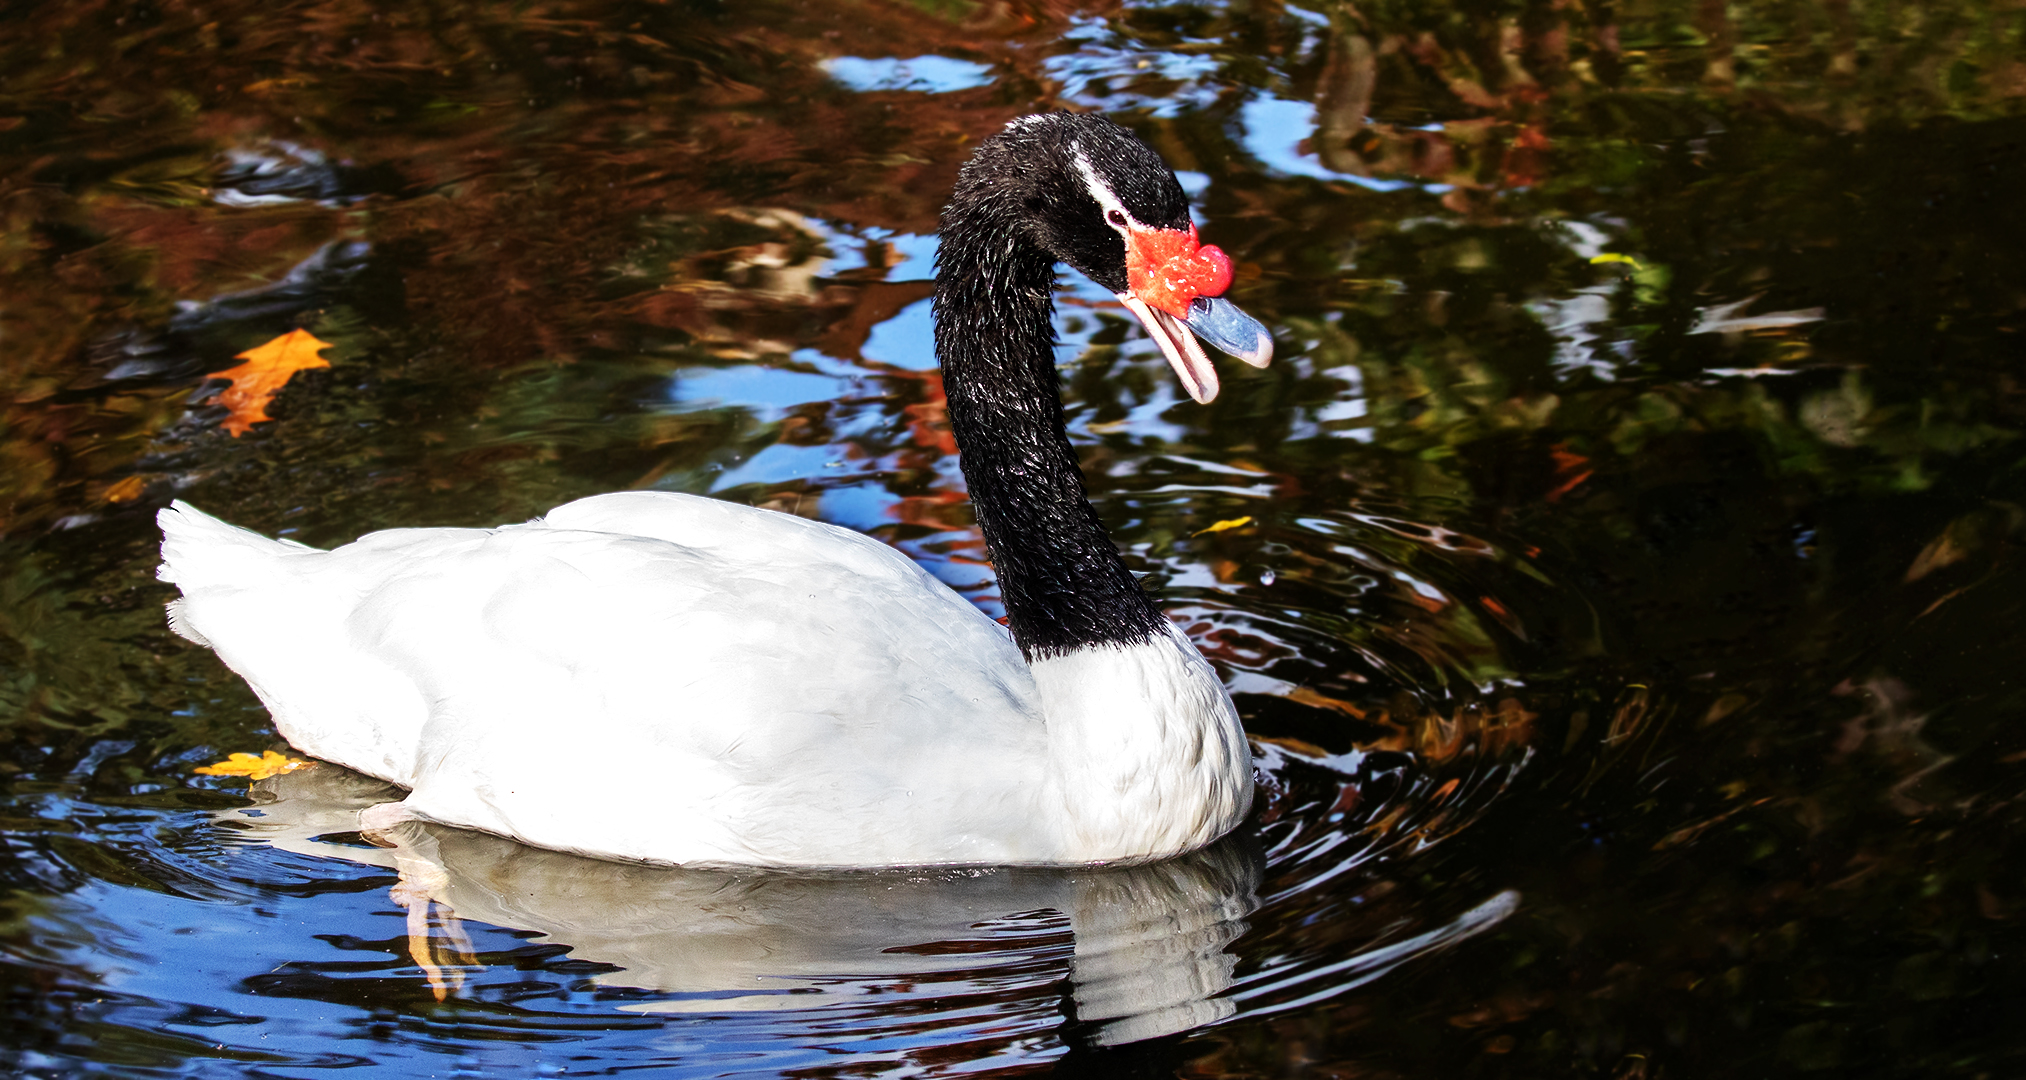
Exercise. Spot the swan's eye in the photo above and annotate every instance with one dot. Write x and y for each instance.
(1117, 219)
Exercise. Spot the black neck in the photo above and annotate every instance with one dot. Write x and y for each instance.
(1063, 582)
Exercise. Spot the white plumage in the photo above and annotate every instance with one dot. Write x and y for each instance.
(676, 679)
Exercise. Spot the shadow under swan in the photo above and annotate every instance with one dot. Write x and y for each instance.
(1147, 944)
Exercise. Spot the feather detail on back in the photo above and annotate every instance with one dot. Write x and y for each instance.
(683, 679)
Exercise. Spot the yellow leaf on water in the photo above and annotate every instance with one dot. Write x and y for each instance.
(254, 766)
(267, 369)
(125, 490)
(1232, 523)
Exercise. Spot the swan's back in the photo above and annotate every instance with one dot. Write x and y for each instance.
(685, 679)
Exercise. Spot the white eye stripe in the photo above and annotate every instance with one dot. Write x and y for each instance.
(1115, 213)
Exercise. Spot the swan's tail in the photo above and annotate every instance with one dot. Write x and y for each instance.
(200, 551)
(277, 612)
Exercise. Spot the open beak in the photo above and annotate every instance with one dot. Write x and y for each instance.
(1176, 291)
(1212, 319)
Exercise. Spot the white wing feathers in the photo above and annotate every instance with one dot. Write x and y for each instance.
(683, 679)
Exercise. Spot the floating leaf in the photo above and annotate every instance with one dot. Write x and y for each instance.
(254, 766)
(267, 369)
(125, 490)
(1231, 523)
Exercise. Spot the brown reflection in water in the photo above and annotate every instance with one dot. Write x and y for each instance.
(506, 159)
(1815, 874)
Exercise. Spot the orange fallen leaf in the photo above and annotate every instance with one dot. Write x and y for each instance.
(267, 369)
(1231, 523)
(254, 766)
(126, 490)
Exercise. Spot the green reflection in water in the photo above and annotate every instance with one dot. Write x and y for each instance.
(1647, 404)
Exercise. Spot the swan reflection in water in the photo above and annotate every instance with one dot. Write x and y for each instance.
(1147, 943)
(1148, 949)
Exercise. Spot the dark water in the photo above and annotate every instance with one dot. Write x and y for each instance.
(1629, 611)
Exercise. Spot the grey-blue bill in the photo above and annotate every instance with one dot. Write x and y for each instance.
(1217, 321)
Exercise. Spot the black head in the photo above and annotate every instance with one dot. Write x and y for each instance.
(1067, 173)
(1081, 190)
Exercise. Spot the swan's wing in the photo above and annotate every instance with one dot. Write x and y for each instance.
(778, 691)
(687, 705)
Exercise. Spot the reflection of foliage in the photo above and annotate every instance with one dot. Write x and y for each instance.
(83, 652)
(1773, 848)
(637, 112)
(1749, 595)
(61, 666)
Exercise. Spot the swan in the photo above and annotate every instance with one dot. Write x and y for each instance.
(671, 679)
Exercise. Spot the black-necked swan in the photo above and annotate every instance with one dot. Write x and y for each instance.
(674, 679)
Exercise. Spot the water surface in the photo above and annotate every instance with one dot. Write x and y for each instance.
(1625, 604)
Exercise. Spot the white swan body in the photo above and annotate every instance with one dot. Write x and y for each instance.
(678, 680)
(675, 679)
